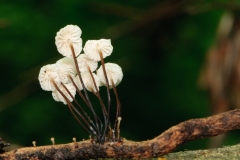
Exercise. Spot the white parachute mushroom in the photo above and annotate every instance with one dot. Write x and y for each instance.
(69, 64)
(48, 75)
(63, 73)
(84, 62)
(88, 81)
(93, 48)
(69, 35)
(114, 74)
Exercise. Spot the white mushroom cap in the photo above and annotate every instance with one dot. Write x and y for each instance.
(69, 34)
(69, 64)
(113, 71)
(59, 98)
(92, 48)
(47, 73)
(88, 82)
(84, 62)
(63, 73)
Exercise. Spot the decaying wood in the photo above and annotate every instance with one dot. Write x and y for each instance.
(165, 143)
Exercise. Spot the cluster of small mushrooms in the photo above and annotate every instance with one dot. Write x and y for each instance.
(79, 72)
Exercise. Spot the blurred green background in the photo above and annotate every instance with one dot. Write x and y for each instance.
(160, 45)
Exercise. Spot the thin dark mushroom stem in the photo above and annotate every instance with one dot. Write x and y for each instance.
(108, 90)
(84, 88)
(81, 95)
(104, 111)
(91, 129)
(84, 99)
(97, 91)
(107, 82)
(82, 117)
(79, 92)
(70, 106)
(118, 111)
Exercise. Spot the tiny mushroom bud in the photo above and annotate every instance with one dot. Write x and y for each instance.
(48, 74)
(114, 74)
(66, 36)
(93, 48)
(75, 142)
(74, 139)
(59, 98)
(113, 134)
(34, 143)
(52, 140)
(118, 127)
(119, 119)
(84, 62)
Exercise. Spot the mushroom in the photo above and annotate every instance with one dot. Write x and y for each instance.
(69, 35)
(47, 75)
(114, 74)
(86, 64)
(93, 49)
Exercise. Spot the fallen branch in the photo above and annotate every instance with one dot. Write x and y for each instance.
(165, 143)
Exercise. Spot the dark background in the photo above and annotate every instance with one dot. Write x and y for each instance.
(160, 45)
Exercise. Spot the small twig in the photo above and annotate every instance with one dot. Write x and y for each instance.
(165, 143)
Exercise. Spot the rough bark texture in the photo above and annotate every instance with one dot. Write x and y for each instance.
(161, 145)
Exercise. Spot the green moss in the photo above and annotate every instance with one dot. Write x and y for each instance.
(228, 152)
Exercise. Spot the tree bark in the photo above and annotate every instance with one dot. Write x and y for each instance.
(159, 146)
